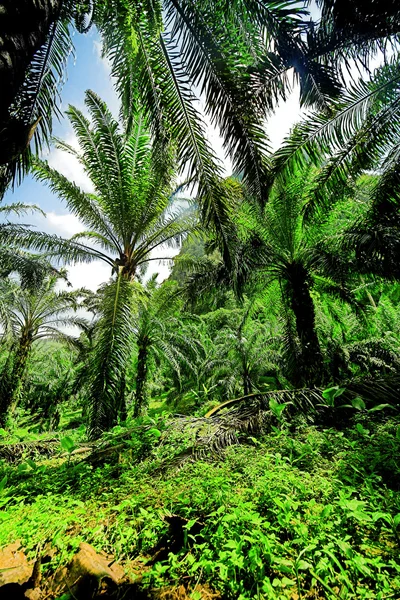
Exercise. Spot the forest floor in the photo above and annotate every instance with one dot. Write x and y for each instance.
(300, 513)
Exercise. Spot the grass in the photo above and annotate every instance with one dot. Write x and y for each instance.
(300, 513)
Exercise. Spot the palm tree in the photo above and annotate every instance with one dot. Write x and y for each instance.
(129, 215)
(30, 314)
(360, 134)
(299, 254)
(162, 337)
(215, 47)
(279, 244)
(244, 354)
(237, 54)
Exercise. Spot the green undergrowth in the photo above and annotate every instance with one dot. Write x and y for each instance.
(296, 514)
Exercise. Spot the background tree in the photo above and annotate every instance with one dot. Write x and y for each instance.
(164, 338)
(13, 258)
(29, 315)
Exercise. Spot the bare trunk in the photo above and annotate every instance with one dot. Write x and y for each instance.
(312, 369)
(141, 376)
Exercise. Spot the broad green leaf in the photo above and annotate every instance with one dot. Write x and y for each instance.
(67, 444)
(396, 520)
(380, 407)
(332, 392)
(155, 432)
(358, 403)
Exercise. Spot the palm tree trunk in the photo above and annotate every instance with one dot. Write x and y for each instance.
(12, 390)
(312, 370)
(24, 25)
(141, 376)
(122, 411)
(247, 385)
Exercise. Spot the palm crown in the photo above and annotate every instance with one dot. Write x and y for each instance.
(129, 214)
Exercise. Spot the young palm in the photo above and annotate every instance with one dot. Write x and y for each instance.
(128, 216)
(29, 314)
(162, 337)
(244, 353)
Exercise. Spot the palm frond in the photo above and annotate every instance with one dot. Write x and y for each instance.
(31, 110)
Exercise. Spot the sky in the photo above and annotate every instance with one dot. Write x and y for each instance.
(87, 70)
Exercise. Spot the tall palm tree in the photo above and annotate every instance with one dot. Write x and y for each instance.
(30, 314)
(128, 216)
(279, 244)
(216, 42)
(360, 134)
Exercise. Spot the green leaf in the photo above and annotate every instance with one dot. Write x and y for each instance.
(358, 403)
(380, 407)
(396, 520)
(332, 392)
(67, 444)
(303, 565)
(155, 432)
(362, 429)
(3, 483)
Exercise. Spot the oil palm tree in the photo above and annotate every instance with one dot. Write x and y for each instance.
(300, 256)
(130, 214)
(30, 314)
(127, 217)
(244, 354)
(279, 244)
(361, 134)
(215, 44)
(237, 54)
(222, 49)
(162, 337)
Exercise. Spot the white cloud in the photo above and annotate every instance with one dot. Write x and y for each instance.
(69, 166)
(106, 62)
(281, 122)
(64, 225)
(93, 274)
(161, 266)
(89, 275)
